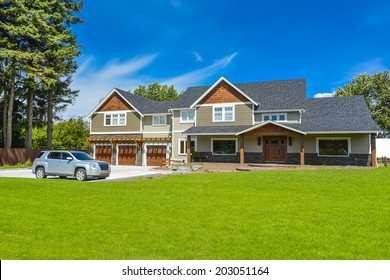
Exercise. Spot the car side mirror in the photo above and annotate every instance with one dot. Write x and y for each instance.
(69, 158)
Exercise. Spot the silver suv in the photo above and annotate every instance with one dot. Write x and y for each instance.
(69, 163)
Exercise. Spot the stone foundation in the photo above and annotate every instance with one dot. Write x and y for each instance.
(292, 158)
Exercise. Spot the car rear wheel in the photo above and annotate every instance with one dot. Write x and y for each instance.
(81, 175)
(40, 173)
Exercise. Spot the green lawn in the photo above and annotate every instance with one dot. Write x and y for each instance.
(287, 214)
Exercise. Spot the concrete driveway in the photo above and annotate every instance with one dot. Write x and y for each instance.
(117, 172)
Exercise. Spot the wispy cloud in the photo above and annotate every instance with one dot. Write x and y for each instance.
(196, 76)
(370, 67)
(197, 57)
(95, 82)
(176, 3)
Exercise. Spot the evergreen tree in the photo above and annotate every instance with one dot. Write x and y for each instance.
(158, 92)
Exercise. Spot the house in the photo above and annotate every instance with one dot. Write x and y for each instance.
(256, 122)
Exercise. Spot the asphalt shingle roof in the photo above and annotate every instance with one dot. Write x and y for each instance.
(341, 114)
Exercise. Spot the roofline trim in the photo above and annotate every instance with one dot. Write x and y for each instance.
(215, 84)
(270, 122)
(114, 90)
(345, 132)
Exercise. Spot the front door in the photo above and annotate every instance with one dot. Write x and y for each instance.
(275, 149)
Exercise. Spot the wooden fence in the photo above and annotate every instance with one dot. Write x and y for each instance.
(13, 156)
(384, 161)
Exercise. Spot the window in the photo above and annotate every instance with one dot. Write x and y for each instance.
(223, 114)
(54, 155)
(339, 147)
(183, 146)
(159, 120)
(187, 116)
(115, 119)
(275, 117)
(223, 146)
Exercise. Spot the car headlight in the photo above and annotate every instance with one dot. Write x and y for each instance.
(94, 165)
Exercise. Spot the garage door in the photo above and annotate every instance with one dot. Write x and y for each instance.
(127, 155)
(155, 154)
(103, 153)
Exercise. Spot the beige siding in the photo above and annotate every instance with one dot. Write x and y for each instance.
(156, 135)
(293, 116)
(242, 116)
(295, 145)
(132, 124)
(360, 143)
(149, 127)
(250, 145)
(177, 126)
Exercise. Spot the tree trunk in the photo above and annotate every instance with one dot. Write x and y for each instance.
(5, 107)
(10, 109)
(30, 103)
(50, 121)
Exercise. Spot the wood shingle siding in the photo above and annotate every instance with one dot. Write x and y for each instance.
(115, 103)
(223, 93)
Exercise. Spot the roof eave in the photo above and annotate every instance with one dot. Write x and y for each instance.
(215, 84)
(270, 122)
(114, 90)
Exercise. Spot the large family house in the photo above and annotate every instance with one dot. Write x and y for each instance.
(256, 122)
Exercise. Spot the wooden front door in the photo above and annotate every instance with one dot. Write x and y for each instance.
(275, 149)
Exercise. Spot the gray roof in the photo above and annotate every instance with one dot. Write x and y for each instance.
(341, 114)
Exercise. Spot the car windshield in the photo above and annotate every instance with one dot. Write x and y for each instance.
(82, 156)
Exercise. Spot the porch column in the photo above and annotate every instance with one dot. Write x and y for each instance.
(302, 154)
(373, 150)
(188, 149)
(242, 149)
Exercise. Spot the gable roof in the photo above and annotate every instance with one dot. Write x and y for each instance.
(222, 79)
(286, 126)
(122, 94)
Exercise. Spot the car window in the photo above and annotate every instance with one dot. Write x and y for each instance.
(82, 156)
(54, 155)
(65, 155)
(40, 154)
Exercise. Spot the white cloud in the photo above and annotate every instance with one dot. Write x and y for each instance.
(94, 83)
(370, 67)
(196, 76)
(197, 57)
(324, 95)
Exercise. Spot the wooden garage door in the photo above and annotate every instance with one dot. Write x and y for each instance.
(155, 154)
(127, 155)
(103, 153)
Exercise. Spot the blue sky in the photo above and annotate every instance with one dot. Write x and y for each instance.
(189, 43)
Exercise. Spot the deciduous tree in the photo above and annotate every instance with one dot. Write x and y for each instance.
(376, 90)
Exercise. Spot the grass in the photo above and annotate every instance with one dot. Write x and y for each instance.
(290, 214)
(26, 164)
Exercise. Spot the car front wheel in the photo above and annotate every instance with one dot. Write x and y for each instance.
(81, 175)
(40, 173)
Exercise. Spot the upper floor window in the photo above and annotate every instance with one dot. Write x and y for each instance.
(223, 114)
(187, 116)
(159, 120)
(275, 117)
(115, 119)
